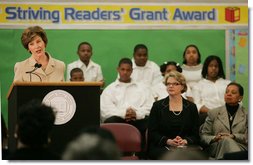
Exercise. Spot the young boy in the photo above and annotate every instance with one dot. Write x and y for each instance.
(91, 70)
(76, 74)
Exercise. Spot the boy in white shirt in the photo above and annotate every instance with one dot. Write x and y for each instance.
(146, 71)
(91, 70)
(125, 100)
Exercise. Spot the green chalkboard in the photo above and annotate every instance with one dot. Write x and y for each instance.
(108, 47)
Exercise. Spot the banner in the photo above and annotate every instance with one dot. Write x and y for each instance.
(126, 15)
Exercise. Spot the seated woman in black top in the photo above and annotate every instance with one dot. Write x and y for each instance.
(173, 121)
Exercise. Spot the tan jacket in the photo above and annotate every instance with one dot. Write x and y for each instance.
(217, 121)
(53, 73)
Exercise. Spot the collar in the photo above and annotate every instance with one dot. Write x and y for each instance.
(167, 99)
(192, 68)
(208, 81)
(118, 83)
(50, 65)
(147, 65)
(32, 61)
(80, 64)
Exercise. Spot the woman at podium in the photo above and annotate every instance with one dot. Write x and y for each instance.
(40, 66)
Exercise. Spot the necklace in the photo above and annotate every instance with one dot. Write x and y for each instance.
(231, 117)
(176, 113)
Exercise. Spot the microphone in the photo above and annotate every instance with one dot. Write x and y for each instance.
(36, 66)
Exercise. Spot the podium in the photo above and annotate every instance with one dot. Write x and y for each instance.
(85, 96)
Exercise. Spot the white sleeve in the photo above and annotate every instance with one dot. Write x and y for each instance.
(158, 78)
(146, 104)
(108, 105)
(100, 74)
(196, 93)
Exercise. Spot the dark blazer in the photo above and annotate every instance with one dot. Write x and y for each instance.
(158, 128)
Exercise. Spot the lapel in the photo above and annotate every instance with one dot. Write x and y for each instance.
(165, 102)
(223, 117)
(32, 62)
(239, 116)
(49, 69)
(50, 66)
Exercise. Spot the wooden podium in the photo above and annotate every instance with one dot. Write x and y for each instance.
(87, 113)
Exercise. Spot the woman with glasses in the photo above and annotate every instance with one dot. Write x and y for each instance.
(173, 121)
(166, 68)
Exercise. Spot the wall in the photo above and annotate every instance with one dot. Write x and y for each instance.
(162, 38)
(108, 47)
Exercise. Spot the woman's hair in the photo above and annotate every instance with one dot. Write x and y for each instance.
(31, 32)
(167, 63)
(208, 60)
(179, 77)
(198, 52)
(240, 88)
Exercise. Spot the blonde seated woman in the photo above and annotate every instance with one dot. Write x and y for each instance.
(173, 121)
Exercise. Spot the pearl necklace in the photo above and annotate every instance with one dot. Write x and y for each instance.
(177, 114)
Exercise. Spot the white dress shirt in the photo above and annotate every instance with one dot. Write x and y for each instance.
(118, 97)
(92, 72)
(192, 74)
(210, 94)
(150, 75)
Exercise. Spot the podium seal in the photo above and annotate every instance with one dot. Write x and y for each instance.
(63, 104)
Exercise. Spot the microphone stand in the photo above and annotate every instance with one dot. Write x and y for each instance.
(36, 66)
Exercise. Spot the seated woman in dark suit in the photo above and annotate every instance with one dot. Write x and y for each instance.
(225, 129)
(173, 121)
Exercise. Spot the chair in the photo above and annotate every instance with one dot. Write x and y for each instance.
(128, 138)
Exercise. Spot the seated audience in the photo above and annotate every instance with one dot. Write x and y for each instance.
(165, 68)
(91, 70)
(191, 68)
(173, 121)
(208, 93)
(93, 144)
(144, 70)
(225, 129)
(34, 124)
(125, 100)
(76, 74)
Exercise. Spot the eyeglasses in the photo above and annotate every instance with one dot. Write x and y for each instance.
(173, 84)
